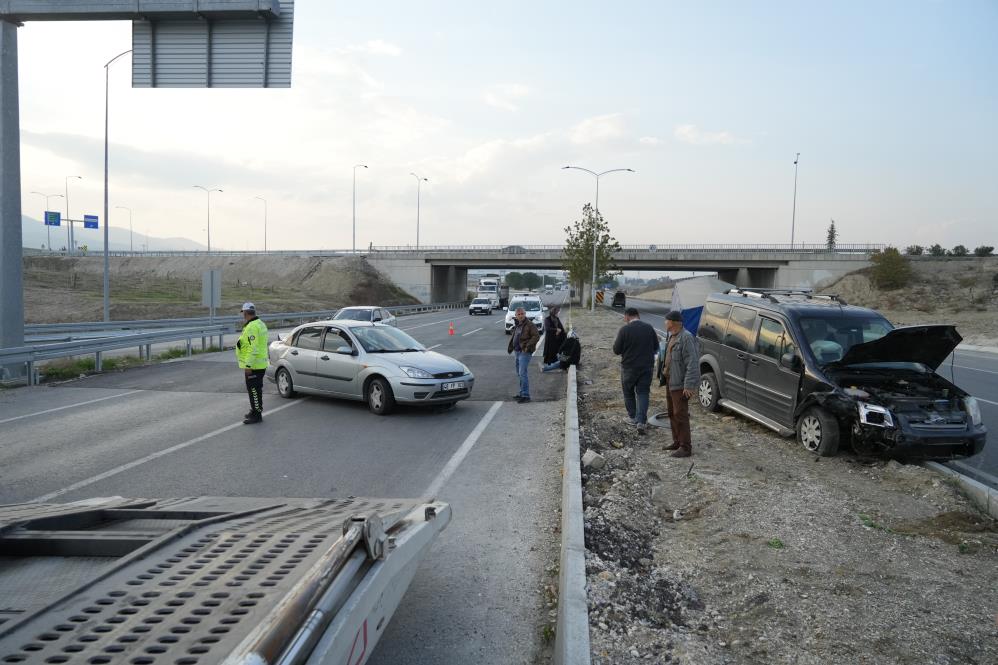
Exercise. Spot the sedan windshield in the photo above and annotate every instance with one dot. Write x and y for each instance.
(527, 305)
(377, 339)
(831, 336)
(353, 315)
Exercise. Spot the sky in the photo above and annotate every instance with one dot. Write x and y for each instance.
(890, 104)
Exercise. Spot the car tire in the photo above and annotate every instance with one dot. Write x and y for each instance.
(818, 432)
(285, 386)
(380, 399)
(708, 394)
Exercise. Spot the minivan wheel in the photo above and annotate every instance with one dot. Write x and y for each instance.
(707, 393)
(285, 386)
(818, 432)
(380, 399)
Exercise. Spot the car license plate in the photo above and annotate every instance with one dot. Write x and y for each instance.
(453, 385)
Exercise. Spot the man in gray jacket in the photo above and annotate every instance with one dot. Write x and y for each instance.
(680, 375)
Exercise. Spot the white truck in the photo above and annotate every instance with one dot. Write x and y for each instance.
(488, 287)
(207, 580)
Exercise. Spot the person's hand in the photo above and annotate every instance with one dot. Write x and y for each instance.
(687, 393)
(248, 372)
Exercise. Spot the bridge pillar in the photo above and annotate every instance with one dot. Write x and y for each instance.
(759, 278)
(448, 284)
(414, 276)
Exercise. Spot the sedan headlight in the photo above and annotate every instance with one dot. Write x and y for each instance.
(416, 373)
(973, 410)
(877, 416)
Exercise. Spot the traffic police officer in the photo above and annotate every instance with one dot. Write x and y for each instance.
(251, 352)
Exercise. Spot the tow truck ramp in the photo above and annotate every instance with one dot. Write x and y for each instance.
(207, 580)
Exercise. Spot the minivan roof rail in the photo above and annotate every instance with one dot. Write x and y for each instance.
(772, 294)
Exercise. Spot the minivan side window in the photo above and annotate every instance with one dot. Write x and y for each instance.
(309, 338)
(770, 340)
(714, 321)
(739, 335)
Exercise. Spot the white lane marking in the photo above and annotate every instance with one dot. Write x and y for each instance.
(68, 406)
(430, 348)
(502, 320)
(148, 458)
(973, 369)
(471, 332)
(540, 346)
(433, 323)
(462, 452)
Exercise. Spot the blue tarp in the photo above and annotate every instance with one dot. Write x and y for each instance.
(689, 296)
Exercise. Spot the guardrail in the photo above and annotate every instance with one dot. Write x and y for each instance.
(30, 355)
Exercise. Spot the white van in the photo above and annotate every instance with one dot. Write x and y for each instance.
(534, 308)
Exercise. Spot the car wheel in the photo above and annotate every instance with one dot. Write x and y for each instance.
(380, 399)
(818, 432)
(708, 393)
(285, 386)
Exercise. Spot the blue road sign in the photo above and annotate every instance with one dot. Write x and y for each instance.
(90, 221)
(53, 218)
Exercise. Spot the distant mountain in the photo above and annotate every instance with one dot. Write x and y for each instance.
(35, 236)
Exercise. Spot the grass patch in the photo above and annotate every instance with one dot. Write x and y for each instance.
(547, 634)
(775, 543)
(70, 368)
(870, 523)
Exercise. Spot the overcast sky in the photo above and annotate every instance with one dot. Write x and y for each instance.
(892, 106)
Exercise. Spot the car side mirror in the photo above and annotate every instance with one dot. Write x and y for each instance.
(791, 361)
(345, 350)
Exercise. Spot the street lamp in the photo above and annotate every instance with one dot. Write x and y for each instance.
(419, 181)
(355, 167)
(48, 229)
(107, 260)
(264, 221)
(69, 223)
(793, 219)
(131, 237)
(597, 176)
(208, 191)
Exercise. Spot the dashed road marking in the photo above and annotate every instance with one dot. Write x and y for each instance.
(68, 406)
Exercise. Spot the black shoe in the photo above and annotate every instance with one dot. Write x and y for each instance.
(517, 397)
(522, 400)
(248, 414)
(253, 419)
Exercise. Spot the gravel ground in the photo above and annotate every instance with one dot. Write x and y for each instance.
(764, 553)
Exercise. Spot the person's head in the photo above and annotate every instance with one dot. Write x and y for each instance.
(631, 314)
(520, 314)
(673, 322)
(554, 310)
(249, 311)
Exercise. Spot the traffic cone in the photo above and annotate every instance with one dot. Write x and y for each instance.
(450, 331)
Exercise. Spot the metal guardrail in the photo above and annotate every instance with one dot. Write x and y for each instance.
(30, 355)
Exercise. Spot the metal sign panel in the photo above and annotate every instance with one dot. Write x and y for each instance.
(53, 218)
(90, 221)
(211, 288)
(211, 52)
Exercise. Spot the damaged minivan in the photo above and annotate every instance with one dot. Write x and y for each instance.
(833, 374)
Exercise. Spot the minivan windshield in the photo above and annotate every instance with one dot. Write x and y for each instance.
(385, 339)
(830, 336)
(527, 305)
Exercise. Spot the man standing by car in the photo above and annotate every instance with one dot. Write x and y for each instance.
(251, 352)
(637, 346)
(680, 376)
(523, 343)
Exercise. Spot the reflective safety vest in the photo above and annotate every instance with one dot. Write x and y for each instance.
(251, 349)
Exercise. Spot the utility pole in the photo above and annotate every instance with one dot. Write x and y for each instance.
(793, 218)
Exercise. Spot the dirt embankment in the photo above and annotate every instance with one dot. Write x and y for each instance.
(958, 291)
(763, 553)
(70, 288)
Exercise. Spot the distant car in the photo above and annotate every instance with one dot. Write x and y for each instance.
(620, 299)
(549, 290)
(532, 306)
(366, 313)
(480, 306)
(513, 249)
(374, 363)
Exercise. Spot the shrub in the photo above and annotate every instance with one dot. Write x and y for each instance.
(890, 269)
(984, 250)
(937, 250)
(914, 250)
(959, 250)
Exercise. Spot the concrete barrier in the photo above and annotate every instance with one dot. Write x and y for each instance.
(571, 644)
(984, 497)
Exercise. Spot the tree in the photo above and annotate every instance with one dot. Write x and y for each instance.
(890, 269)
(915, 250)
(832, 237)
(984, 250)
(532, 280)
(937, 250)
(960, 250)
(582, 236)
(514, 280)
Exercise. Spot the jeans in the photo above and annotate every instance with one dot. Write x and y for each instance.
(550, 367)
(636, 384)
(522, 365)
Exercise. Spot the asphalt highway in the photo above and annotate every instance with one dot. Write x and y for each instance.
(973, 370)
(174, 429)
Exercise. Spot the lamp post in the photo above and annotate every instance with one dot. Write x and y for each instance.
(419, 181)
(264, 221)
(131, 237)
(592, 307)
(48, 229)
(208, 191)
(107, 265)
(355, 167)
(69, 223)
(793, 218)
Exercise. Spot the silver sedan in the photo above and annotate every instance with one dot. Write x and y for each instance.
(375, 363)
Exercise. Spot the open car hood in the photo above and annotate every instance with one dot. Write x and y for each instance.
(929, 345)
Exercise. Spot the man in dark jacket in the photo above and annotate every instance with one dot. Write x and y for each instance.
(523, 343)
(680, 375)
(637, 346)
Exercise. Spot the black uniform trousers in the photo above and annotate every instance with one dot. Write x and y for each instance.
(254, 386)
